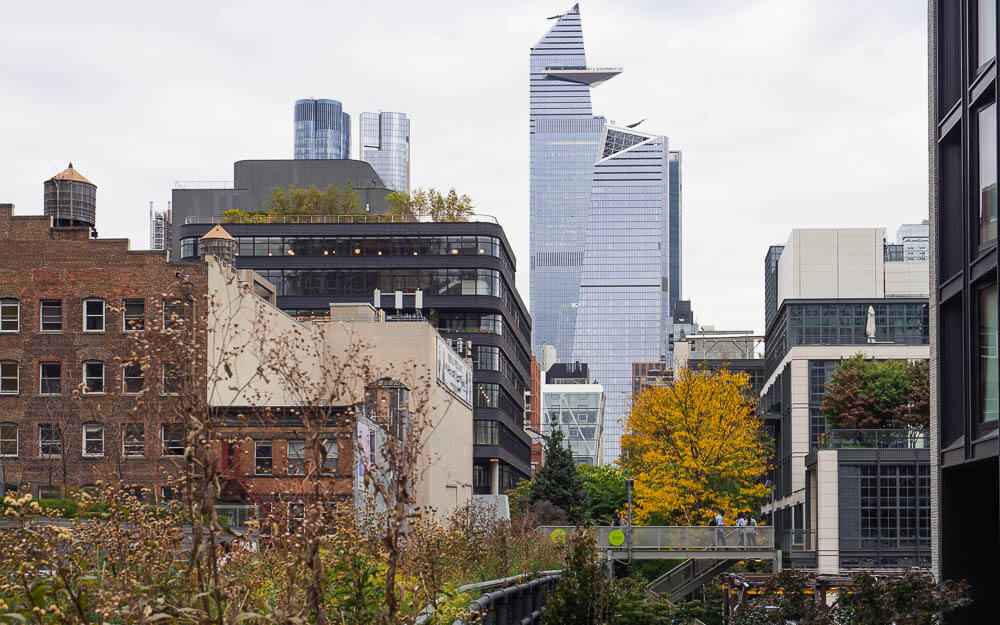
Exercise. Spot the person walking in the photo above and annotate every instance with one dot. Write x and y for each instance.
(751, 529)
(741, 525)
(720, 536)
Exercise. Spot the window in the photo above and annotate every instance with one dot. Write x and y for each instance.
(173, 439)
(171, 379)
(170, 493)
(263, 457)
(93, 378)
(173, 314)
(987, 117)
(296, 517)
(50, 378)
(93, 315)
(49, 492)
(986, 17)
(10, 315)
(134, 440)
(132, 380)
(331, 458)
(49, 440)
(9, 378)
(51, 315)
(486, 433)
(989, 375)
(8, 440)
(93, 439)
(134, 315)
(296, 457)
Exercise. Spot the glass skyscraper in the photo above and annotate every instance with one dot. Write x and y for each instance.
(385, 144)
(322, 130)
(605, 235)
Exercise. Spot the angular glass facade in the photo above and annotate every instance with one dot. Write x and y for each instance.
(602, 249)
(578, 412)
(322, 130)
(385, 144)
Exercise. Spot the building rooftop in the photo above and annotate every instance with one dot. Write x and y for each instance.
(71, 174)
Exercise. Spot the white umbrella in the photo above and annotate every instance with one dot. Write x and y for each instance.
(870, 325)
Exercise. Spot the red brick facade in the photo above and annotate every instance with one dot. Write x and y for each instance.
(43, 264)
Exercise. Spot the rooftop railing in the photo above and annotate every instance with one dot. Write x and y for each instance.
(203, 184)
(876, 439)
(324, 219)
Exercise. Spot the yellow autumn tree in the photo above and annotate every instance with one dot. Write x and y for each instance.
(695, 447)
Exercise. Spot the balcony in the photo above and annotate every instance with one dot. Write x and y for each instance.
(876, 439)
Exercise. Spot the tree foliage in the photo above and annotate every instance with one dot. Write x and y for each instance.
(878, 394)
(430, 203)
(695, 447)
(606, 489)
(558, 481)
(313, 201)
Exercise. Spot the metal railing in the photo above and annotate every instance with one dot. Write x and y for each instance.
(677, 538)
(506, 600)
(797, 540)
(324, 219)
(237, 514)
(876, 439)
(203, 184)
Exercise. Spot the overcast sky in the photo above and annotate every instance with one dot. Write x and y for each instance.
(788, 113)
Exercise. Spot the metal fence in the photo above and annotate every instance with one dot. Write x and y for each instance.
(506, 601)
(876, 439)
(676, 538)
(797, 540)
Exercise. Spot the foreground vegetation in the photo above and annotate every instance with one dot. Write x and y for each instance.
(133, 567)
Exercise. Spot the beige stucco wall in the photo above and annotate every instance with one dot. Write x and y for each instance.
(300, 362)
(828, 512)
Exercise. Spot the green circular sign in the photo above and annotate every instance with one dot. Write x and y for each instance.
(616, 538)
(558, 536)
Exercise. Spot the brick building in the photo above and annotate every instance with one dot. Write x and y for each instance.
(73, 309)
(69, 304)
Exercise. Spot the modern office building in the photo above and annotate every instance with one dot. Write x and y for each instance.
(600, 224)
(322, 130)
(253, 181)
(159, 228)
(574, 404)
(385, 143)
(963, 146)
(834, 295)
(464, 272)
(914, 240)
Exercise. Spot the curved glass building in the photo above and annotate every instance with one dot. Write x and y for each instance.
(322, 130)
(605, 225)
(385, 144)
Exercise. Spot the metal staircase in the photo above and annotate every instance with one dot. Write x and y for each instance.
(687, 577)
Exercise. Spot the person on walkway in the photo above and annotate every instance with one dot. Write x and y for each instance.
(741, 526)
(751, 529)
(720, 536)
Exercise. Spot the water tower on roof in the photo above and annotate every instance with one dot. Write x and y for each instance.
(70, 199)
(218, 243)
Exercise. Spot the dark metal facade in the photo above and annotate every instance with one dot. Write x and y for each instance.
(472, 297)
(963, 150)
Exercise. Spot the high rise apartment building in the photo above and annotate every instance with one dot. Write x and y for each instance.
(159, 228)
(838, 499)
(385, 144)
(963, 142)
(602, 263)
(322, 130)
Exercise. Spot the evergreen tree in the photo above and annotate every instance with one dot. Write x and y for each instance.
(558, 481)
